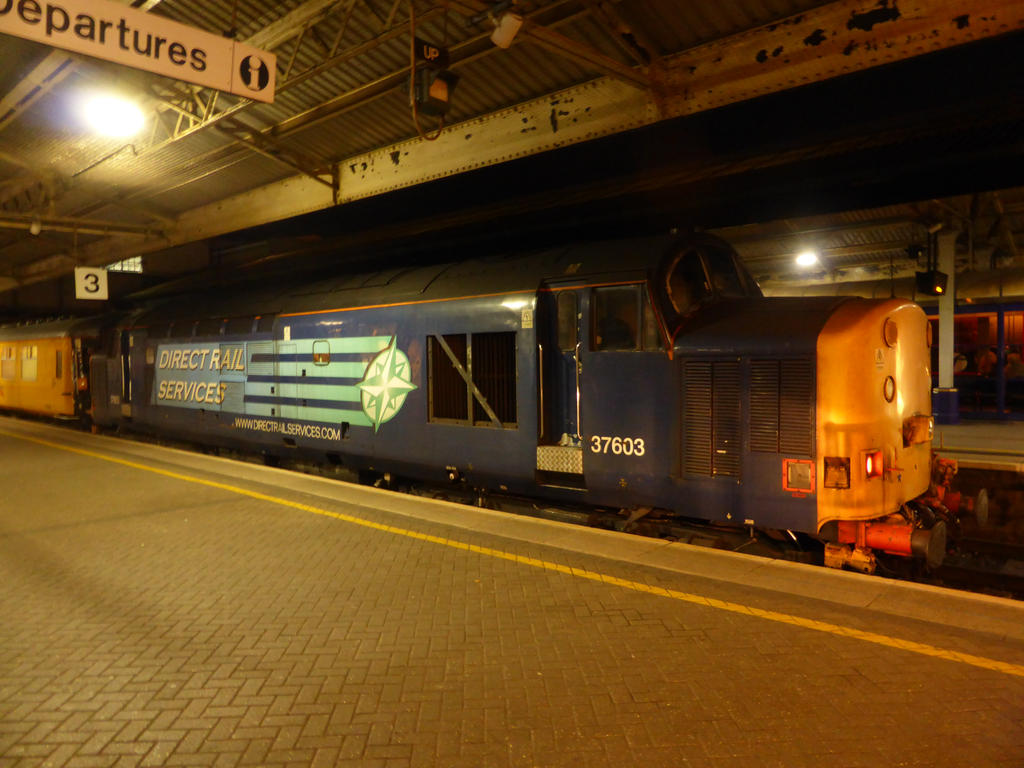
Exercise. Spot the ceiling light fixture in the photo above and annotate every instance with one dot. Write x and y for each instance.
(506, 28)
(113, 116)
(807, 259)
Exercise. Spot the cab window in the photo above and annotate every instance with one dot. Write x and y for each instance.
(686, 282)
(624, 319)
(567, 337)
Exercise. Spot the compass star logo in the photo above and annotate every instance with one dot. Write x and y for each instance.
(387, 381)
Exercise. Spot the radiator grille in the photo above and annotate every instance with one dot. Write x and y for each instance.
(782, 406)
(796, 407)
(697, 413)
(764, 405)
(712, 416)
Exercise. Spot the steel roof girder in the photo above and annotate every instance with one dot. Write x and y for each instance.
(825, 42)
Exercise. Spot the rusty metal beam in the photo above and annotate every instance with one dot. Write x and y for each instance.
(835, 39)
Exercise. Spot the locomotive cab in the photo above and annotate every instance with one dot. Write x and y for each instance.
(700, 272)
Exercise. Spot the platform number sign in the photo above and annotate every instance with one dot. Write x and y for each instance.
(90, 283)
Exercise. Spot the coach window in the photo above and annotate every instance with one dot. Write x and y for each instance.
(8, 363)
(449, 397)
(239, 326)
(473, 381)
(321, 352)
(265, 323)
(209, 327)
(29, 362)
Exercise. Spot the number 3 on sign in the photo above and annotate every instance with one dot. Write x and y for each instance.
(619, 446)
(90, 283)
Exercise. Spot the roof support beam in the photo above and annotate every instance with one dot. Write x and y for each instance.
(561, 45)
(67, 224)
(822, 43)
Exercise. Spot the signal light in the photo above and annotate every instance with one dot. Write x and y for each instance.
(433, 90)
(873, 464)
(932, 282)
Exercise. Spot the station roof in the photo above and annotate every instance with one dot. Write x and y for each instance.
(850, 120)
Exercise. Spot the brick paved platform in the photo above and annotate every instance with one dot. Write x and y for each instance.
(171, 609)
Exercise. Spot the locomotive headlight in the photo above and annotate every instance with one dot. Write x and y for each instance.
(873, 464)
(837, 471)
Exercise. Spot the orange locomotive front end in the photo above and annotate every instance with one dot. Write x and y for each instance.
(874, 431)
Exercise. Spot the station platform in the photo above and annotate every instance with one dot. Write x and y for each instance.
(164, 608)
(986, 445)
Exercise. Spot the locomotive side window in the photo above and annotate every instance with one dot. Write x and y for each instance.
(616, 317)
(472, 379)
(567, 337)
(448, 394)
(652, 338)
(686, 282)
(321, 352)
(725, 279)
(209, 327)
(624, 319)
(239, 326)
(58, 368)
(494, 374)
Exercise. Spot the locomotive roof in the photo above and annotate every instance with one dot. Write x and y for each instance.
(53, 329)
(762, 326)
(505, 273)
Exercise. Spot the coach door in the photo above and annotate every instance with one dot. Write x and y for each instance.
(127, 348)
(560, 370)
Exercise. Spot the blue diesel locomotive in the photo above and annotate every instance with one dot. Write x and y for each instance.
(635, 374)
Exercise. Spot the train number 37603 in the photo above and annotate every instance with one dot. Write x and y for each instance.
(620, 446)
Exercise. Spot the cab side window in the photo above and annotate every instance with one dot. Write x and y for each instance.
(687, 283)
(616, 317)
(624, 319)
(567, 336)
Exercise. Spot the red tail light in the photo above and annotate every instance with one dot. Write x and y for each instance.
(873, 464)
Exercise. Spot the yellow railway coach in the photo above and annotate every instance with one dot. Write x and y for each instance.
(43, 367)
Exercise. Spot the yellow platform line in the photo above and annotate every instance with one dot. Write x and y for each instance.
(923, 649)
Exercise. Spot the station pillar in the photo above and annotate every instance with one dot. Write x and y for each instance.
(945, 398)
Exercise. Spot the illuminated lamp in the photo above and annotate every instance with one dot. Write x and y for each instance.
(113, 116)
(873, 464)
(433, 90)
(807, 259)
(932, 282)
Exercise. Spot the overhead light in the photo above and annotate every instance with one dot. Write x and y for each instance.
(506, 28)
(113, 116)
(807, 259)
